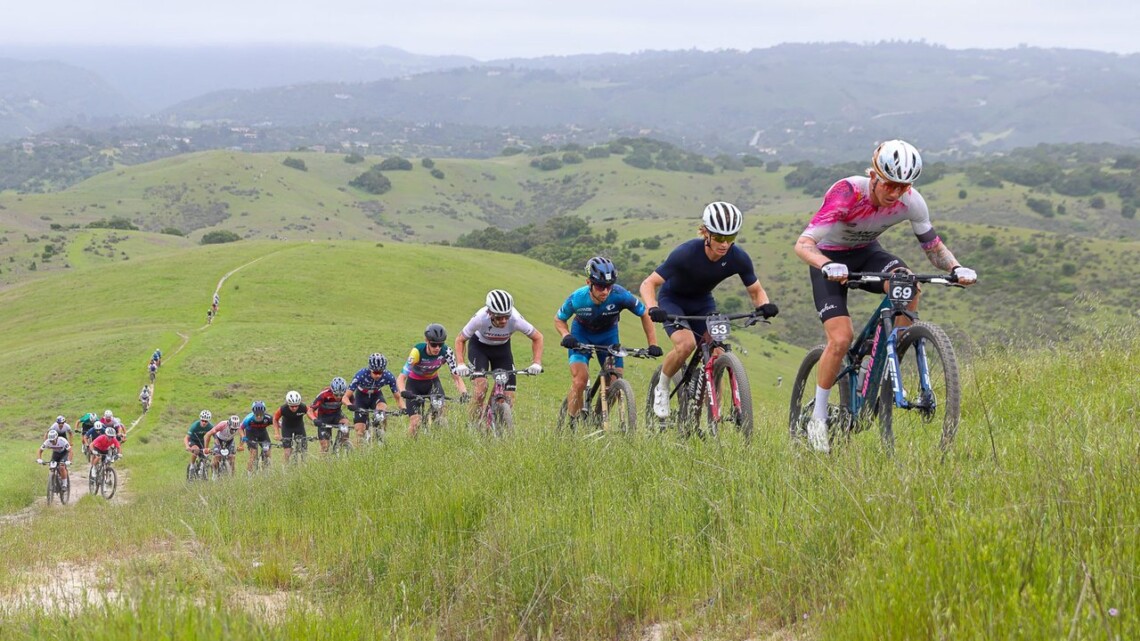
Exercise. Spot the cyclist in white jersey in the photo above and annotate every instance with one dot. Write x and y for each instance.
(843, 236)
(60, 453)
(491, 328)
(224, 432)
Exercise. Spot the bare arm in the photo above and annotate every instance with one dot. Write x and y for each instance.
(649, 328)
(536, 347)
(941, 257)
(808, 252)
(757, 293)
(460, 349)
(561, 326)
(648, 289)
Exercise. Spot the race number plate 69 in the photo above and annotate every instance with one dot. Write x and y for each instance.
(902, 291)
(718, 327)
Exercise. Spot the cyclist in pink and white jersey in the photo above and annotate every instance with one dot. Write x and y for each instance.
(843, 236)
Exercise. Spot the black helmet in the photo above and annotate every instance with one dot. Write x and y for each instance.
(435, 333)
(601, 271)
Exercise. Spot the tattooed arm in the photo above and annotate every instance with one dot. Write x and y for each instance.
(940, 256)
(808, 252)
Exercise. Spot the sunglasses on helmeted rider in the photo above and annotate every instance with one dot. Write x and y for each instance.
(723, 238)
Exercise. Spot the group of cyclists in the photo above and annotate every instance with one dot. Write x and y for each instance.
(101, 436)
(841, 237)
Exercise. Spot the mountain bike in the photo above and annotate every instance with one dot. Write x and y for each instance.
(498, 415)
(374, 426)
(298, 448)
(341, 439)
(55, 486)
(429, 407)
(610, 394)
(888, 368)
(225, 466)
(101, 478)
(261, 460)
(714, 380)
(199, 468)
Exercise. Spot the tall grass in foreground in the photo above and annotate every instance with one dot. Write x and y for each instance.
(1028, 530)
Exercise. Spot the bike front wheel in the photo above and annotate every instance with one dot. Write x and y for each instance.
(733, 394)
(619, 402)
(928, 376)
(109, 483)
(502, 418)
(53, 479)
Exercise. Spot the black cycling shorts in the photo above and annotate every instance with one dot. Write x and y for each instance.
(830, 296)
(488, 357)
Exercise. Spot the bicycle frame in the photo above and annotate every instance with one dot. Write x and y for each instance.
(705, 356)
(884, 353)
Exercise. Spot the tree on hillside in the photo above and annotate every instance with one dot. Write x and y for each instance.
(372, 181)
(354, 158)
(295, 163)
(218, 237)
(395, 163)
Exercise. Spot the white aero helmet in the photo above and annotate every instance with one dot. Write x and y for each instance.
(897, 161)
(722, 218)
(499, 302)
(293, 398)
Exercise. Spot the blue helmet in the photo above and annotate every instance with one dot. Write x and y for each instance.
(601, 271)
(258, 408)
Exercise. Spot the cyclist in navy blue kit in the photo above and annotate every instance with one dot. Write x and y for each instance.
(366, 391)
(687, 279)
(596, 308)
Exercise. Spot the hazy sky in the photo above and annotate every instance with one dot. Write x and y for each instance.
(488, 29)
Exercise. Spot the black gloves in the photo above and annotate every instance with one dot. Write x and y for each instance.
(654, 351)
(767, 310)
(657, 315)
(407, 394)
(569, 342)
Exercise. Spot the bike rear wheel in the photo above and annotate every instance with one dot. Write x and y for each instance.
(622, 409)
(803, 397)
(923, 346)
(109, 483)
(733, 394)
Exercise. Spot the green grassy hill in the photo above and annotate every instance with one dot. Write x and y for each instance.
(1023, 531)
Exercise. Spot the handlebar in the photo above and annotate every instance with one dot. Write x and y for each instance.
(614, 350)
(485, 373)
(753, 319)
(855, 279)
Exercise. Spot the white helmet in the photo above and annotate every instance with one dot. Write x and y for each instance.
(110, 431)
(52, 435)
(60, 419)
(897, 161)
(205, 415)
(722, 218)
(499, 302)
(108, 414)
(234, 420)
(293, 398)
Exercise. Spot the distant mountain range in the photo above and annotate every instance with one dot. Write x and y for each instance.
(815, 101)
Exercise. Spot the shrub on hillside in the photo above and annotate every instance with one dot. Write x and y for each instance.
(354, 158)
(1043, 206)
(295, 163)
(511, 151)
(546, 163)
(218, 237)
(395, 163)
(598, 152)
(372, 181)
(571, 158)
(1097, 202)
(173, 231)
(116, 222)
(437, 173)
(427, 163)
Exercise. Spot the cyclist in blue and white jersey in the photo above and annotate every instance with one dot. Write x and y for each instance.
(366, 391)
(843, 235)
(61, 426)
(596, 308)
(687, 279)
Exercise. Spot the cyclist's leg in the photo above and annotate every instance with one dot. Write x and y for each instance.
(831, 307)
(477, 355)
(683, 335)
(414, 405)
(880, 260)
(323, 434)
(579, 379)
(287, 434)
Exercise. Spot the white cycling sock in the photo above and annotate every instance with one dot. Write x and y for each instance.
(663, 382)
(819, 412)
